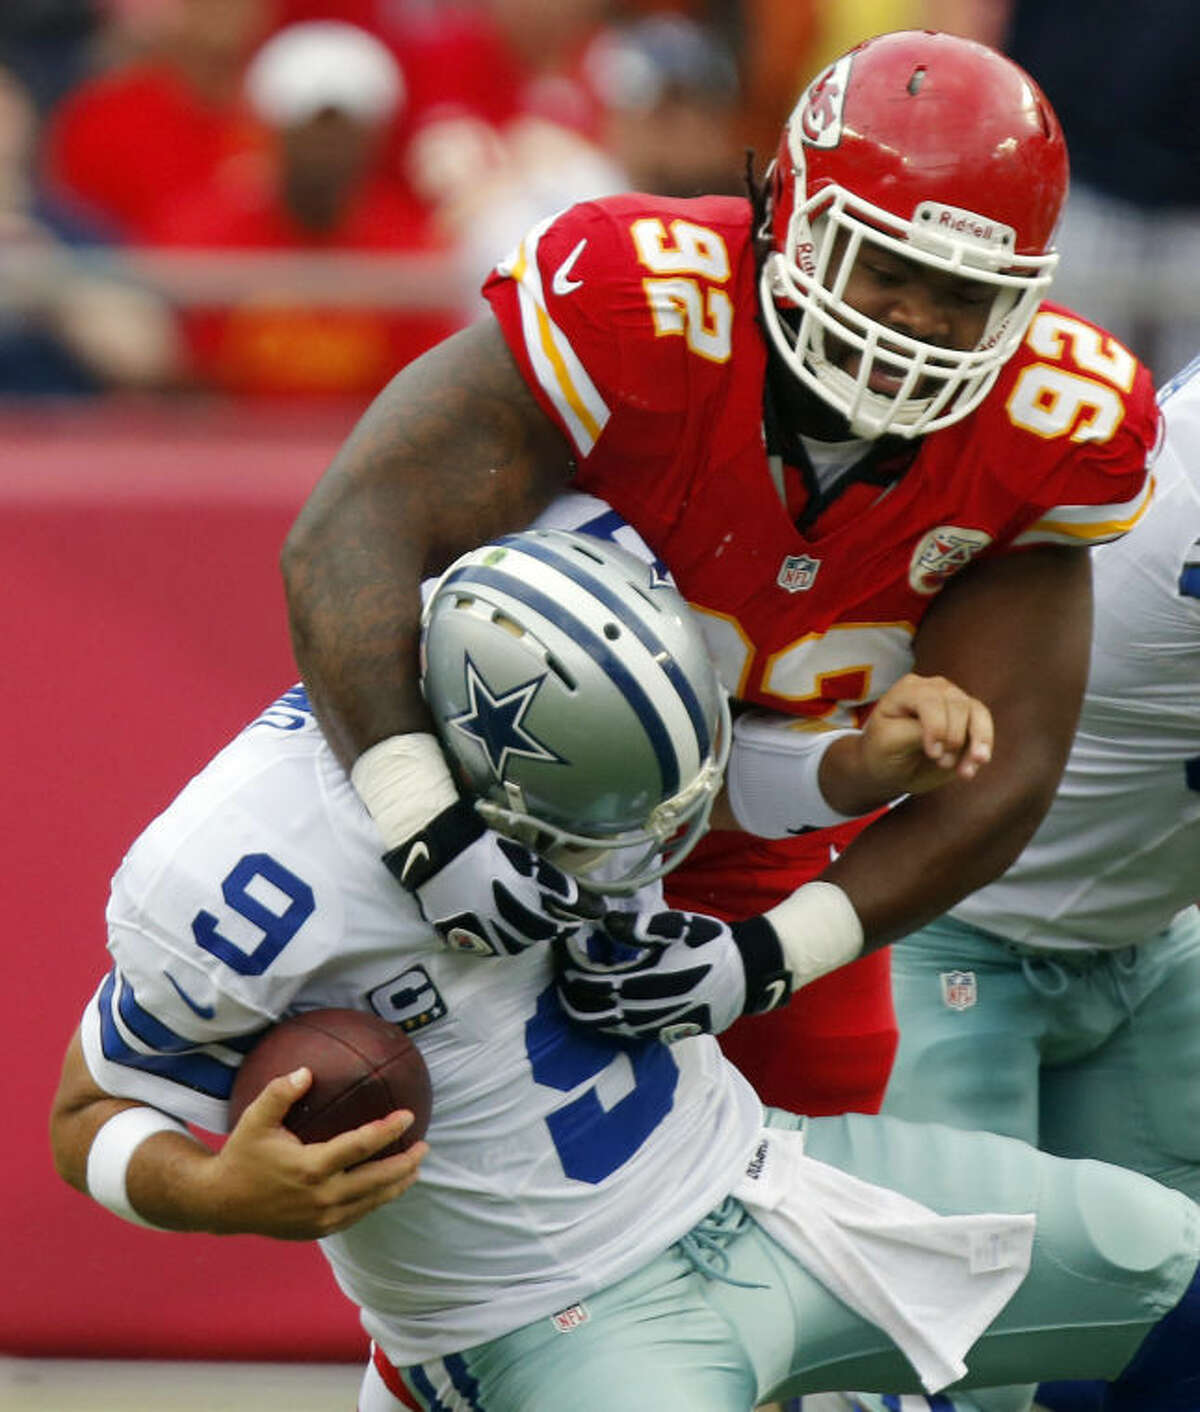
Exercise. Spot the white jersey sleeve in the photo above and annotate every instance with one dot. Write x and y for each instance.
(559, 1161)
(588, 514)
(1115, 858)
(219, 914)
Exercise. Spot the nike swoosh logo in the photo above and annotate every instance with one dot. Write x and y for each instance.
(418, 853)
(206, 1012)
(562, 283)
(773, 995)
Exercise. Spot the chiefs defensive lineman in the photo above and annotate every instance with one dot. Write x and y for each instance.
(843, 415)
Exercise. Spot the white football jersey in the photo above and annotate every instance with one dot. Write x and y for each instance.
(1115, 859)
(559, 1161)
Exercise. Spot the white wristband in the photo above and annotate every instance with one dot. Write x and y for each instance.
(110, 1154)
(771, 778)
(818, 930)
(404, 781)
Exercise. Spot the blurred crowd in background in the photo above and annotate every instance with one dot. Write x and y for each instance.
(292, 198)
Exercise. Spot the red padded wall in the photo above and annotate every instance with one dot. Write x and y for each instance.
(143, 623)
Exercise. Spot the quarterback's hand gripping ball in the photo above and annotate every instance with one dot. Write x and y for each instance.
(363, 1068)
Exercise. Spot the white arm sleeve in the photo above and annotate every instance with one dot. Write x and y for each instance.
(772, 775)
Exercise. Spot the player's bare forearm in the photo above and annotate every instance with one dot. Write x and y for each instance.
(80, 1110)
(454, 451)
(1014, 632)
(264, 1181)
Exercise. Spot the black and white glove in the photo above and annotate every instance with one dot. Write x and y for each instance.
(668, 975)
(484, 893)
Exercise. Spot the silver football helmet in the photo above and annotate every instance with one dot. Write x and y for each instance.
(575, 698)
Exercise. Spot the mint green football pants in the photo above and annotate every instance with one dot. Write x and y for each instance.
(726, 1318)
(1083, 1054)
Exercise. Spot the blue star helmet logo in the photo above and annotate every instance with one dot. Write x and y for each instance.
(496, 722)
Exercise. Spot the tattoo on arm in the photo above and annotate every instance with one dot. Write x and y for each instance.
(453, 452)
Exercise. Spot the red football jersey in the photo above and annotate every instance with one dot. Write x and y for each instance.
(634, 320)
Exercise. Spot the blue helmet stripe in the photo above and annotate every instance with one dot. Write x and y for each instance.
(574, 569)
(652, 723)
(608, 525)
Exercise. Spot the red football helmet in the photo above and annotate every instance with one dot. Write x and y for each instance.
(936, 149)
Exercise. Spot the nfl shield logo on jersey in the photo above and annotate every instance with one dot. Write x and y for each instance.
(797, 572)
(959, 989)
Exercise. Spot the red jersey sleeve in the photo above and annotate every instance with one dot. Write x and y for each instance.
(1073, 426)
(620, 304)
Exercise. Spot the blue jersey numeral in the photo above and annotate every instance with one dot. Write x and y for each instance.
(593, 1141)
(277, 927)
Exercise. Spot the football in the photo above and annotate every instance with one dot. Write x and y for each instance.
(363, 1068)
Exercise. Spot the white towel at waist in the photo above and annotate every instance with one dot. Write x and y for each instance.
(932, 1283)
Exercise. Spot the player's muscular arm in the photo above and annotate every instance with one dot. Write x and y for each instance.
(264, 1181)
(1014, 632)
(454, 451)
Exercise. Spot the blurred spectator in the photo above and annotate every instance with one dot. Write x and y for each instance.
(68, 325)
(776, 57)
(163, 121)
(502, 61)
(779, 44)
(47, 44)
(519, 107)
(670, 86)
(505, 126)
(328, 92)
(840, 24)
(473, 68)
(1124, 85)
(985, 20)
(501, 126)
